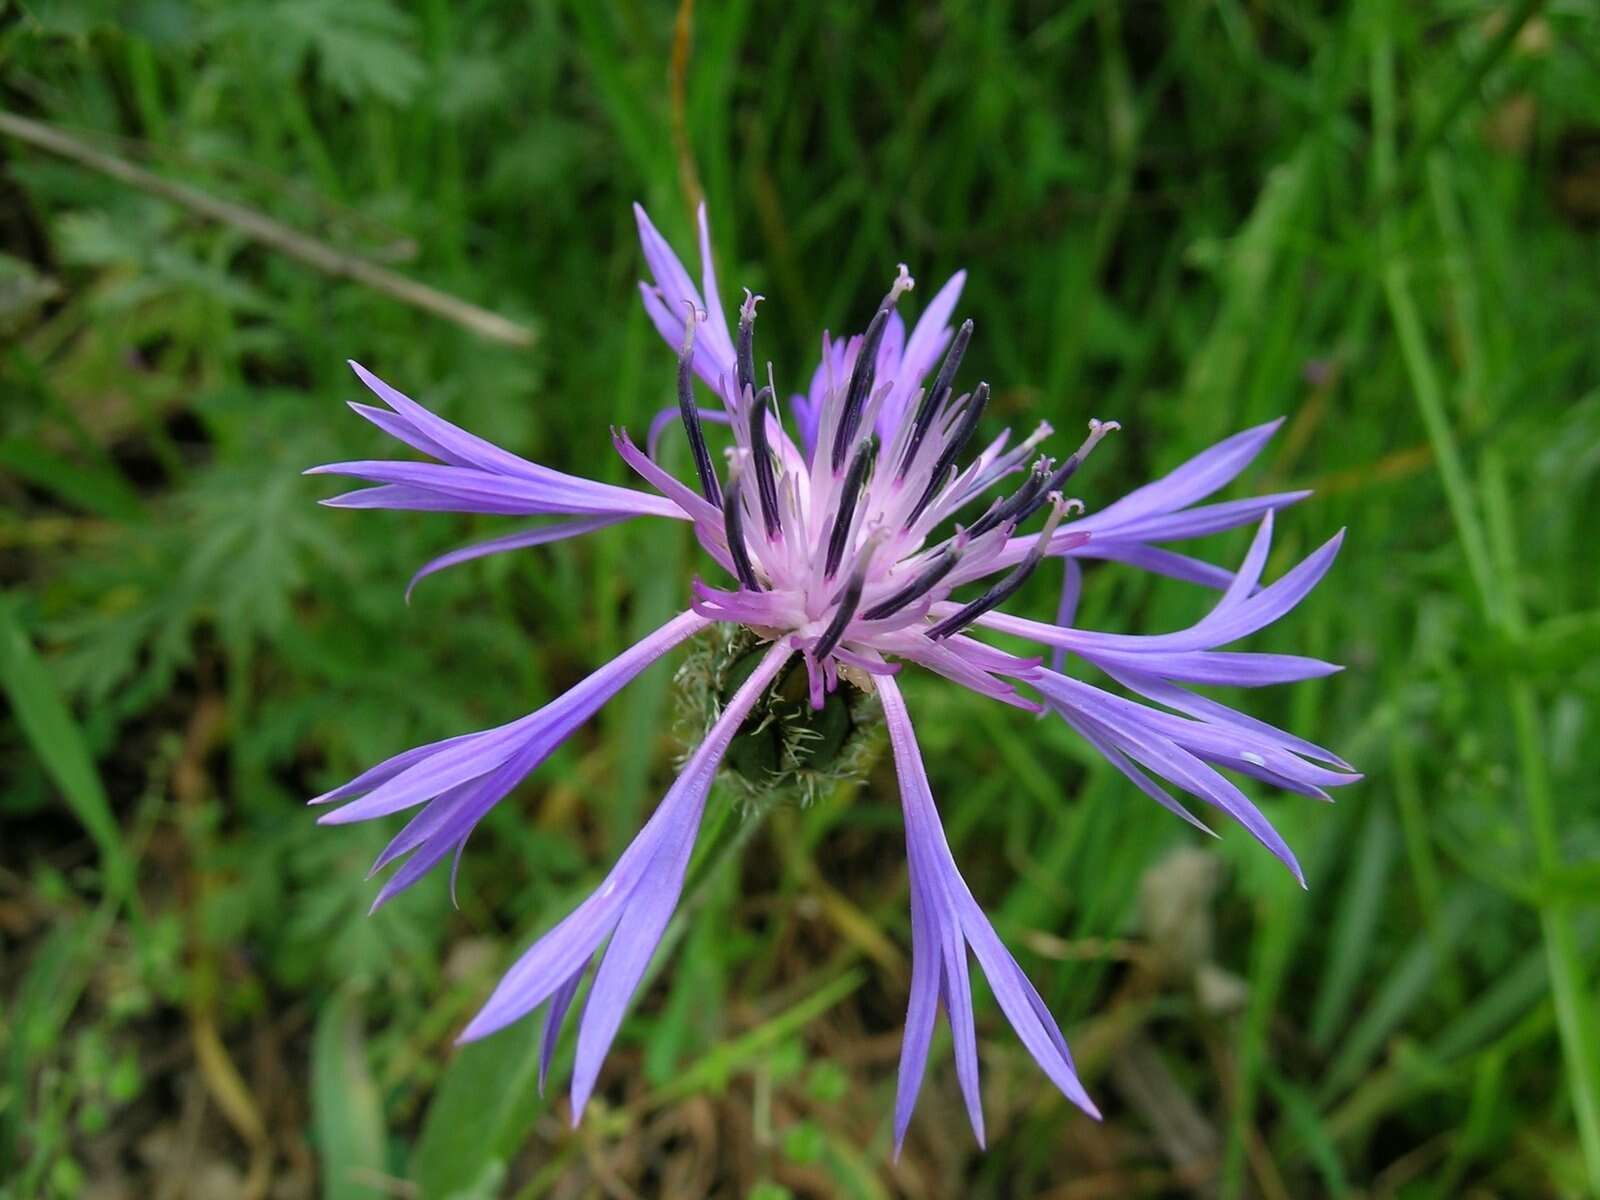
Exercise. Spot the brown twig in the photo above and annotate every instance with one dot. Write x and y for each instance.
(271, 233)
(682, 44)
(222, 1079)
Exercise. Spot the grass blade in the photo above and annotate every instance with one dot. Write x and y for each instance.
(59, 743)
(482, 1107)
(345, 1103)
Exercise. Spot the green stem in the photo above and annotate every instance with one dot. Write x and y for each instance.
(1430, 402)
(1575, 1018)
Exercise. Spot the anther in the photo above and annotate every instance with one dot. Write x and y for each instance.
(848, 599)
(1024, 499)
(858, 389)
(766, 480)
(866, 367)
(744, 353)
(965, 424)
(845, 511)
(920, 586)
(933, 399)
(691, 415)
(1007, 587)
(733, 526)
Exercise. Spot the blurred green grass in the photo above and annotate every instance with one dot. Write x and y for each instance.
(1377, 219)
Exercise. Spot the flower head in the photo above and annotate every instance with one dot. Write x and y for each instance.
(877, 533)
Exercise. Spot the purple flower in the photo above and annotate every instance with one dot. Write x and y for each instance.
(846, 546)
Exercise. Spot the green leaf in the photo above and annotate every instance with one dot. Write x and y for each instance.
(95, 489)
(56, 738)
(1355, 930)
(1404, 988)
(482, 1108)
(346, 1107)
(361, 47)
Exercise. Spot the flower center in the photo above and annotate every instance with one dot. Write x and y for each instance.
(786, 748)
(833, 539)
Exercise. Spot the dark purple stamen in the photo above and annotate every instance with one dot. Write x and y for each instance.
(966, 423)
(691, 425)
(766, 479)
(998, 594)
(933, 399)
(849, 597)
(1021, 505)
(845, 511)
(1053, 484)
(924, 583)
(733, 525)
(860, 386)
(744, 353)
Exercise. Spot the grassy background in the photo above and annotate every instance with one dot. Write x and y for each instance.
(1379, 219)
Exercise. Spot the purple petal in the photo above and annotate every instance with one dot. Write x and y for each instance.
(1196, 479)
(717, 320)
(485, 491)
(709, 366)
(553, 1017)
(454, 444)
(410, 499)
(638, 933)
(1096, 735)
(1248, 576)
(1067, 607)
(1218, 628)
(1189, 522)
(457, 760)
(1216, 712)
(891, 347)
(1215, 742)
(668, 272)
(652, 855)
(1140, 733)
(808, 412)
(1220, 667)
(415, 868)
(806, 418)
(927, 972)
(941, 659)
(927, 342)
(1015, 995)
(436, 774)
(713, 351)
(1278, 598)
(963, 1029)
(426, 826)
(511, 541)
(930, 335)
(388, 769)
(401, 430)
(1034, 1026)
(929, 854)
(1151, 558)
(689, 502)
(1277, 779)
(445, 824)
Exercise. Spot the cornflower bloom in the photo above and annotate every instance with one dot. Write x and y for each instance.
(861, 541)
